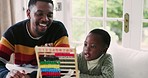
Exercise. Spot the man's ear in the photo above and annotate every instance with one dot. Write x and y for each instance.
(28, 13)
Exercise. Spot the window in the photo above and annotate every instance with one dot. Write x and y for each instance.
(90, 14)
(144, 42)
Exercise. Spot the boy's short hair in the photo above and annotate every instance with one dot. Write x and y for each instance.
(33, 2)
(104, 35)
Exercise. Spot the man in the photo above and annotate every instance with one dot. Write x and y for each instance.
(21, 38)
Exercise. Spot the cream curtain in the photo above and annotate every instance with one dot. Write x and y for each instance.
(6, 15)
(11, 11)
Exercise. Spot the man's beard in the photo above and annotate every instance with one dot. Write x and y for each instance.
(40, 33)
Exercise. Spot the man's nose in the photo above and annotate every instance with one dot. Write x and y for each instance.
(45, 18)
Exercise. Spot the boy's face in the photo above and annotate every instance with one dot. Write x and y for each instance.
(41, 16)
(93, 47)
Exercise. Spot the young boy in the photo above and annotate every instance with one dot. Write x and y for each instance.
(94, 62)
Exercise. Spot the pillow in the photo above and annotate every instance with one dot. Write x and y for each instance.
(129, 63)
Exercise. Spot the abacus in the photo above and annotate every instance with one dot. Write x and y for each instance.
(56, 62)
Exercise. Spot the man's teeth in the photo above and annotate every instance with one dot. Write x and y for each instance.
(43, 24)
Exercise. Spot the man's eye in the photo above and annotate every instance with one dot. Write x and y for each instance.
(39, 14)
(49, 15)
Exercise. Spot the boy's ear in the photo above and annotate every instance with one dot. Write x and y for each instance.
(28, 13)
(105, 49)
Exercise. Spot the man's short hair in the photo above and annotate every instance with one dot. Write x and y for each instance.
(33, 2)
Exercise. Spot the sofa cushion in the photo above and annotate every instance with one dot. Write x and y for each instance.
(129, 63)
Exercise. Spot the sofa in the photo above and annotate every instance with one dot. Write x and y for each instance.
(129, 63)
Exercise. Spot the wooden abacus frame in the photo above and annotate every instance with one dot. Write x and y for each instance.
(65, 52)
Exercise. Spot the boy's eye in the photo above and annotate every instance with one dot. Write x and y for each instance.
(93, 46)
(85, 44)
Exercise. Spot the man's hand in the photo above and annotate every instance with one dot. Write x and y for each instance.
(17, 74)
(20, 75)
(49, 45)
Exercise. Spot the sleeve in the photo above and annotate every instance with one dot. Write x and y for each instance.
(62, 36)
(106, 69)
(7, 45)
(80, 61)
(3, 70)
(6, 49)
(62, 42)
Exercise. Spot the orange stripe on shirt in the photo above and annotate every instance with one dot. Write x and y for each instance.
(6, 43)
(62, 42)
(24, 50)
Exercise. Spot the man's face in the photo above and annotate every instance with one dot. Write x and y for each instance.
(41, 17)
(93, 47)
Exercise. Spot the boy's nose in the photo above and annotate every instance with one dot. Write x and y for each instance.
(87, 48)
